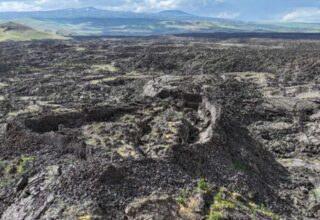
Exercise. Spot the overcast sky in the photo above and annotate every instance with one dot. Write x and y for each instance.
(250, 10)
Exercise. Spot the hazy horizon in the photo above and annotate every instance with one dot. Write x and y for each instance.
(247, 10)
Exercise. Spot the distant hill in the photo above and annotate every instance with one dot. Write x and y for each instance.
(97, 22)
(16, 32)
(11, 26)
(177, 15)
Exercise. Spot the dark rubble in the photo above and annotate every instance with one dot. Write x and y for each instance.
(116, 128)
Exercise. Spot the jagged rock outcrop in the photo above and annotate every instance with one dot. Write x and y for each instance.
(109, 130)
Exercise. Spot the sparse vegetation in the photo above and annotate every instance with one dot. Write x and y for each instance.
(203, 185)
(224, 201)
(183, 197)
(261, 209)
(220, 203)
(214, 215)
(23, 164)
(4, 179)
(16, 32)
(101, 68)
(86, 217)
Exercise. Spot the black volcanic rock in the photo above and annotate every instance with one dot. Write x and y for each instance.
(168, 128)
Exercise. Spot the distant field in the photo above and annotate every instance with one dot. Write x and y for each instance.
(11, 31)
(72, 27)
(29, 35)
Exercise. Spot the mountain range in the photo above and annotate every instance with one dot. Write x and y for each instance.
(92, 12)
(97, 22)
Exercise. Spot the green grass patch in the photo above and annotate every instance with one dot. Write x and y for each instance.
(203, 185)
(214, 215)
(183, 197)
(25, 36)
(224, 201)
(261, 209)
(220, 203)
(23, 163)
(265, 211)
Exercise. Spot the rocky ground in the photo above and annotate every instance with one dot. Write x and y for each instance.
(160, 128)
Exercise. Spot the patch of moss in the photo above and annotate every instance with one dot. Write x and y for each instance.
(127, 151)
(5, 170)
(203, 185)
(262, 210)
(265, 211)
(215, 215)
(23, 163)
(316, 193)
(5, 181)
(86, 217)
(220, 203)
(225, 200)
(236, 196)
(92, 141)
(30, 109)
(104, 67)
(183, 197)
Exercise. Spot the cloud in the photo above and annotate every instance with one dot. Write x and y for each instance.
(126, 5)
(36, 5)
(226, 15)
(18, 6)
(145, 5)
(303, 15)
